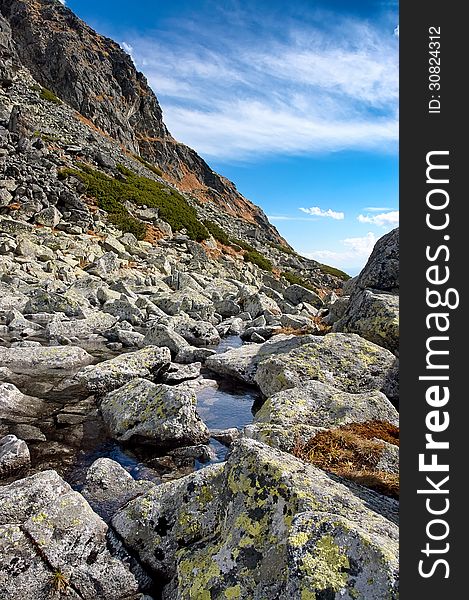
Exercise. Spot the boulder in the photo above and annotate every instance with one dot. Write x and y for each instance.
(242, 363)
(111, 374)
(14, 456)
(381, 272)
(14, 404)
(161, 335)
(296, 414)
(41, 301)
(49, 217)
(345, 361)
(125, 310)
(108, 487)
(170, 516)
(42, 360)
(52, 540)
(265, 525)
(97, 322)
(197, 333)
(374, 316)
(159, 415)
(259, 304)
(297, 293)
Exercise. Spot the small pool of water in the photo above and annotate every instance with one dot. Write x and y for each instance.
(71, 449)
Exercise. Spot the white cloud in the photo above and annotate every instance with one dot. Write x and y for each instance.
(354, 254)
(377, 208)
(318, 212)
(302, 88)
(289, 218)
(387, 219)
(396, 31)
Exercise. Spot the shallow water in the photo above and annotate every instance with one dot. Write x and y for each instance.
(72, 447)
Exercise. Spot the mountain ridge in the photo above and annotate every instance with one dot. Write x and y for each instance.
(96, 77)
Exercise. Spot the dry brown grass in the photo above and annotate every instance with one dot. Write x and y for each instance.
(353, 451)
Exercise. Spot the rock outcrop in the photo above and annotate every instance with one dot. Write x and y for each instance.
(373, 308)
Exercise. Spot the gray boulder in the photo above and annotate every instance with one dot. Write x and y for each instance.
(51, 540)
(160, 415)
(110, 374)
(108, 487)
(171, 516)
(264, 525)
(381, 272)
(296, 414)
(374, 316)
(44, 360)
(14, 456)
(345, 361)
(161, 335)
(242, 363)
(297, 294)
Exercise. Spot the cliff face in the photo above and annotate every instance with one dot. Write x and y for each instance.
(97, 78)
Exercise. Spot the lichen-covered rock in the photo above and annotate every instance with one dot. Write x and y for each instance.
(197, 333)
(114, 373)
(283, 529)
(48, 530)
(193, 303)
(297, 294)
(296, 414)
(345, 361)
(97, 322)
(108, 486)
(170, 516)
(161, 415)
(374, 316)
(41, 301)
(179, 373)
(258, 304)
(43, 359)
(14, 456)
(161, 335)
(242, 363)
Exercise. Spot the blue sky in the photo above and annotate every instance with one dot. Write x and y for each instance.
(296, 102)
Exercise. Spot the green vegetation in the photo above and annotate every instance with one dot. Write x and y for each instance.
(243, 245)
(149, 166)
(255, 257)
(335, 272)
(294, 279)
(282, 248)
(217, 232)
(112, 193)
(46, 94)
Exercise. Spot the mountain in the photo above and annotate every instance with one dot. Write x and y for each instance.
(188, 408)
(97, 78)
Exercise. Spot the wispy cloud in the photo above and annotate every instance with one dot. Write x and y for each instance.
(319, 212)
(302, 88)
(377, 208)
(385, 219)
(355, 251)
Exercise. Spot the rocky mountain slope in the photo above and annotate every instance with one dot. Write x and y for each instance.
(171, 372)
(93, 75)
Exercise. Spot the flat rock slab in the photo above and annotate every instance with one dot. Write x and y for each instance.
(345, 361)
(297, 413)
(47, 529)
(242, 363)
(114, 373)
(42, 360)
